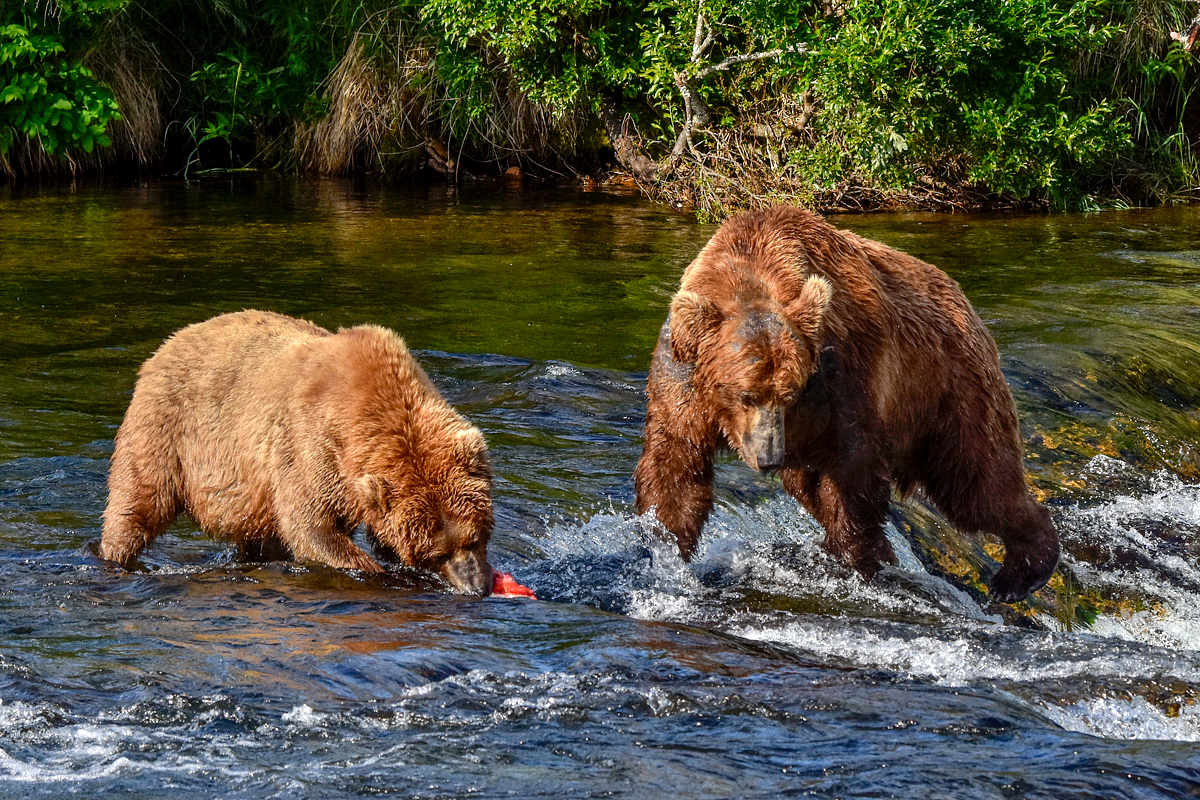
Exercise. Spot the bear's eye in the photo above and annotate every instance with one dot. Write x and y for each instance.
(747, 399)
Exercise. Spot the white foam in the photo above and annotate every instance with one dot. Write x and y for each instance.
(919, 657)
(500, 697)
(560, 370)
(78, 752)
(970, 655)
(1134, 718)
(71, 751)
(603, 532)
(1168, 499)
(57, 772)
(17, 716)
(302, 716)
(772, 546)
(1168, 582)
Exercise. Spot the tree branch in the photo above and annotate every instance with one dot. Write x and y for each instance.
(742, 59)
(700, 45)
(696, 113)
(695, 110)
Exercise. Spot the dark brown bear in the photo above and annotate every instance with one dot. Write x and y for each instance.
(847, 367)
(282, 437)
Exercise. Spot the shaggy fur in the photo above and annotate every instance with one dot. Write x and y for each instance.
(848, 367)
(280, 436)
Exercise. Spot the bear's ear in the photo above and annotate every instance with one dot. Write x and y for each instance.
(692, 318)
(806, 310)
(375, 492)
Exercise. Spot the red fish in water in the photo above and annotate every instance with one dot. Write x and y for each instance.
(505, 585)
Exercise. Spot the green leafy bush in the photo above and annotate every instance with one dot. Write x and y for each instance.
(1026, 99)
(48, 97)
(986, 92)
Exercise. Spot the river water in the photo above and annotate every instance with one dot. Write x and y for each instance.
(761, 670)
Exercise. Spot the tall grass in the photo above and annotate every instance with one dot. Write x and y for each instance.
(397, 100)
(376, 106)
(129, 64)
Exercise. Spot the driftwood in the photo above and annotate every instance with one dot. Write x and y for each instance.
(626, 145)
(1188, 38)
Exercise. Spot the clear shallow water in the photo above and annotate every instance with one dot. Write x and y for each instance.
(761, 670)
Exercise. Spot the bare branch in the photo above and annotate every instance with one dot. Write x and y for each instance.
(695, 115)
(695, 111)
(742, 59)
(696, 40)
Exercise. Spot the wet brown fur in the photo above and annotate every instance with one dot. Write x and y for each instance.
(276, 434)
(884, 374)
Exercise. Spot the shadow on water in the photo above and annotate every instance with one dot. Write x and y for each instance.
(762, 669)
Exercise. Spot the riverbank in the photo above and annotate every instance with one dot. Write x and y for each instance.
(704, 105)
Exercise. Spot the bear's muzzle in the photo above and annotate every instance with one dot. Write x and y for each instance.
(763, 440)
(468, 572)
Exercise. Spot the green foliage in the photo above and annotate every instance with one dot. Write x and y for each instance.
(240, 75)
(1049, 101)
(237, 94)
(982, 91)
(569, 54)
(1003, 95)
(45, 94)
(562, 54)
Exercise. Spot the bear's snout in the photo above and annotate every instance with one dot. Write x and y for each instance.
(764, 440)
(469, 573)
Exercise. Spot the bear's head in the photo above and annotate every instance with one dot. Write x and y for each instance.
(752, 356)
(431, 506)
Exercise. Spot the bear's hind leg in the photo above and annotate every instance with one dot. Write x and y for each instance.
(141, 504)
(989, 495)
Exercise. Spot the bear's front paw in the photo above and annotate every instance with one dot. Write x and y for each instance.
(1018, 578)
(869, 555)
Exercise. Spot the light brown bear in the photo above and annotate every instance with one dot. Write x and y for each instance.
(282, 437)
(848, 368)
